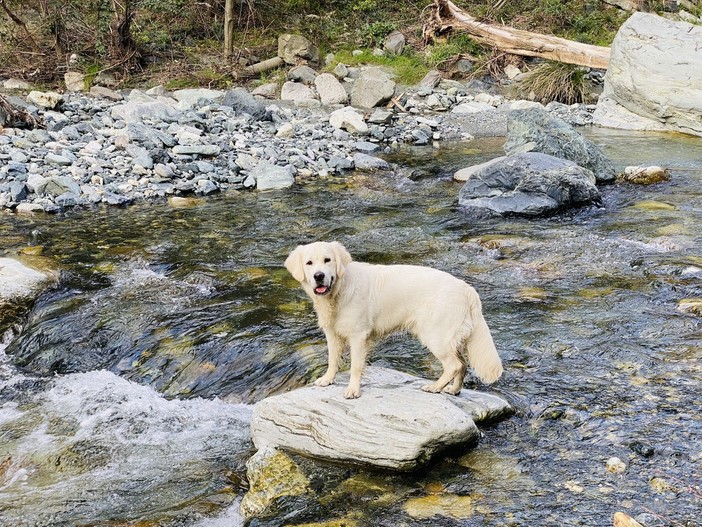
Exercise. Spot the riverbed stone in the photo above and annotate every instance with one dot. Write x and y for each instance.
(136, 111)
(348, 119)
(330, 89)
(394, 42)
(272, 177)
(644, 175)
(244, 102)
(50, 99)
(654, 78)
(292, 48)
(272, 475)
(372, 88)
(536, 130)
(368, 163)
(19, 285)
(528, 184)
(394, 424)
(296, 92)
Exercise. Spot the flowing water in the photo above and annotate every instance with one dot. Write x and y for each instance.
(126, 394)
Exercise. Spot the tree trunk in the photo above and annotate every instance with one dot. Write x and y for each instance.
(447, 17)
(229, 28)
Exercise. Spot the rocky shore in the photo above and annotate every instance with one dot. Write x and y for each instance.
(122, 147)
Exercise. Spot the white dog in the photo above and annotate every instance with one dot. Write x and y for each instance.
(359, 302)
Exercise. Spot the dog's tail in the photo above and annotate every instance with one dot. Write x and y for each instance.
(480, 349)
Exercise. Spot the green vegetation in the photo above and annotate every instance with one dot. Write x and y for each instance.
(409, 68)
(179, 42)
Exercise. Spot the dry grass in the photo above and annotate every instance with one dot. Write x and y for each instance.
(555, 81)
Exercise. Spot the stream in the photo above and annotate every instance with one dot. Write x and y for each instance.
(126, 394)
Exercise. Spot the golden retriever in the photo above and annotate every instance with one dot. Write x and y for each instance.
(357, 303)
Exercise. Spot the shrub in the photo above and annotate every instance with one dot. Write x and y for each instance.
(556, 81)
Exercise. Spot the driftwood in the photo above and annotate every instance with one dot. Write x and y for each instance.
(447, 17)
(14, 117)
(265, 65)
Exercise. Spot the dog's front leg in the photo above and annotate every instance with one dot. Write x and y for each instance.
(359, 352)
(335, 345)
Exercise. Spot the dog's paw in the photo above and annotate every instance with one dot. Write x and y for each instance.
(449, 390)
(431, 388)
(324, 381)
(352, 392)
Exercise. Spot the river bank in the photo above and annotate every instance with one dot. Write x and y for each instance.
(151, 145)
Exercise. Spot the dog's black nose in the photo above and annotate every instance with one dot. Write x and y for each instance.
(319, 276)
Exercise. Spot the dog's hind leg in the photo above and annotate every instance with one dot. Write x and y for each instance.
(335, 345)
(454, 369)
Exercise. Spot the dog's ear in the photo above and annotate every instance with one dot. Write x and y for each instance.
(341, 257)
(293, 263)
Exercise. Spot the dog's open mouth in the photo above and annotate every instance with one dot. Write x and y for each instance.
(322, 289)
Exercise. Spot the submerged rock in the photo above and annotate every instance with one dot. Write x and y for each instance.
(644, 175)
(536, 130)
(19, 285)
(393, 425)
(530, 184)
(272, 475)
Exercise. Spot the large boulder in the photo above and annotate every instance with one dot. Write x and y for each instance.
(529, 184)
(372, 88)
(536, 130)
(654, 79)
(296, 92)
(393, 425)
(293, 48)
(330, 90)
(272, 177)
(244, 102)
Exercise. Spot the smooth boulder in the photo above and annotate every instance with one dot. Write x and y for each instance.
(654, 79)
(244, 102)
(372, 88)
(394, 424)
(536, 130)
(528, 184)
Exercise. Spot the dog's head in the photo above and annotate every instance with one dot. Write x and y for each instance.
(318, 266)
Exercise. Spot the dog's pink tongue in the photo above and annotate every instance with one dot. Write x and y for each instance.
(321, 289)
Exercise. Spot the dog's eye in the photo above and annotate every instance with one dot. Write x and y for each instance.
(309, 262)
(327, 260)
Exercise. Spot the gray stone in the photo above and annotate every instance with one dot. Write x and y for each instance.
(348, 119)
(197, 97)
(28, 208)
(67, 199)
(57, 185)
(201, 150)
(136, 111)
(303, 74)
(295, 91)
(372, 88)
(74, 81)
(57, 159)
(18, 191)
(205, 187)
(18, 282)
(341, 71)
(369, 163)
(366, 147)
(393, 425)
(272, 177)
(529, 184)
(244, 102)
(654, 79)
(16, 84)
(473, 107)
(394, 43)
(536, 130)
(105, 93)
(380, 116)
(267, 91)
(330, 89)
(292, 48)
(50, 99)
(431, 79)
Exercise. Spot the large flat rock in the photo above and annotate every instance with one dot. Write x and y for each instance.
(394, 424)
(19, 285)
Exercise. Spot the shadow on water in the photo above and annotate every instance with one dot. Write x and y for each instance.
(165, 311)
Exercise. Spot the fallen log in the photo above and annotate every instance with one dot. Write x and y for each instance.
(448, 17)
